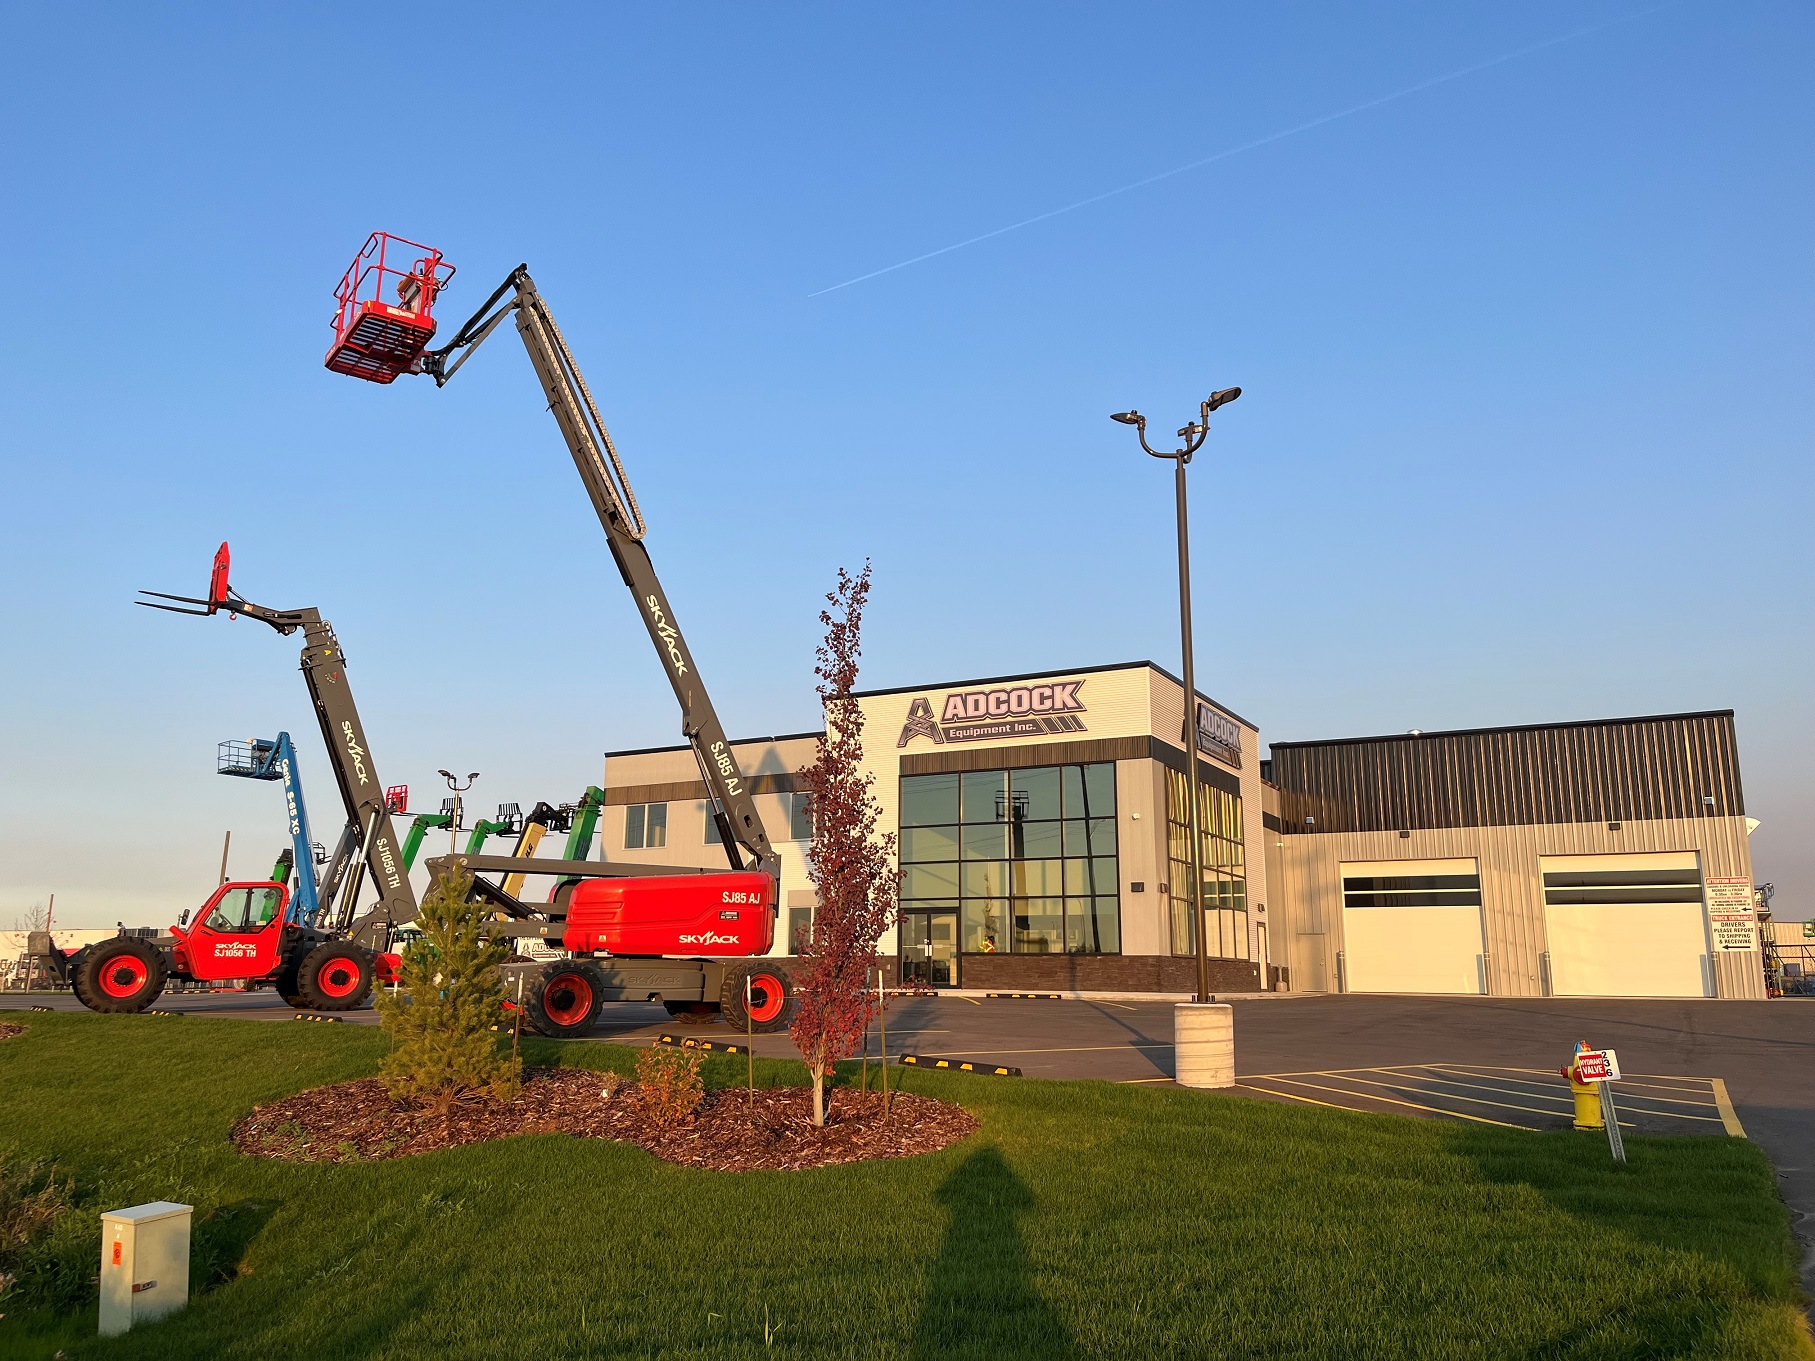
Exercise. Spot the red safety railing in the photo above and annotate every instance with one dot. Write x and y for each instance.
(384, 307)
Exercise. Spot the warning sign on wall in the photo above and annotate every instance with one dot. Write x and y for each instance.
(1731, 920)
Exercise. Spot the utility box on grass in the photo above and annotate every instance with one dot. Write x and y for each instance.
(144, 1264)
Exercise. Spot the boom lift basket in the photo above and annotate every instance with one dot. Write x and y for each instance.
(384, 319)
(249, 759)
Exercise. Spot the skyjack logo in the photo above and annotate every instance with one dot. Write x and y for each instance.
(1009, 711)
(357, 752)
(707, 938)
(669, 635)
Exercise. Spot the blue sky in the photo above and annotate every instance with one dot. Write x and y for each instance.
(1526, 358)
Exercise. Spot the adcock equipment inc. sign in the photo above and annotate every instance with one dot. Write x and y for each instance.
(991, 715)
(1218, 735)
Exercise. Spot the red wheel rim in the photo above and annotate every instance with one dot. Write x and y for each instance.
(766, 997)
(123, 976)
(339, 977)
(567, 999)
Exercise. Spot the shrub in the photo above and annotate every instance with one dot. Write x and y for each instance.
(441, 1023)
(671, 1086)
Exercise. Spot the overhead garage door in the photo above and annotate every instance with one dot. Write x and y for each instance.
(1412, 926)
(1626, 926)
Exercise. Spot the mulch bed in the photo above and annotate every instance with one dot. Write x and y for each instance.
(358, 1120)
(8, 1030)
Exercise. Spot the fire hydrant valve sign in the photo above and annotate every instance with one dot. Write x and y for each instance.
(1597, 1065)
(1731, 919)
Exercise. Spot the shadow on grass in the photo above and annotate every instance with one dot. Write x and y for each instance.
(980, 1298)
(222, 1238)
(1715, 1197)
(1711, 1203)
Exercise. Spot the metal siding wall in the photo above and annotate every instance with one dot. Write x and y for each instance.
(1632, 769)
(1309, 888)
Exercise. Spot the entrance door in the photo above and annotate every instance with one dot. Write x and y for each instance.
(929, 949)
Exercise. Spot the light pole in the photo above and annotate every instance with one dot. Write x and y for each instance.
(453, 825)
(1193, 436)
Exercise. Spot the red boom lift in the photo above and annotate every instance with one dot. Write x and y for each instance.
(635, 932)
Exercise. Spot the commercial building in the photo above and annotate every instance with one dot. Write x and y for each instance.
(1041, 822)
(1043, 845)
(1601, 859)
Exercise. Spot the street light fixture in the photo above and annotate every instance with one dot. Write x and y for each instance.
(453, 826)
(1193, 436)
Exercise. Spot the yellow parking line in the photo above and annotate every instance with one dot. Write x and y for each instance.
(1550, 1086)
(1625, 1083)
(1620, 1086)
(1728, 1116)
(1564, 1097)
(1400, 1086)
(1133, 1081)
(1364, 1096)
(1334, 1072)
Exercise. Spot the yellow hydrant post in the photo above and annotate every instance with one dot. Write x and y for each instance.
(1588, 1097)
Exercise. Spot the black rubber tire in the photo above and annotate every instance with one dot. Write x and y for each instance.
(284, 983)
(692, 1013)
(731, 998)
(75, 983)
(136, 955)
(322, 978)
(562, 998)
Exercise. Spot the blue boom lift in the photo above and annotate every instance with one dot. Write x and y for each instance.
(264, 759)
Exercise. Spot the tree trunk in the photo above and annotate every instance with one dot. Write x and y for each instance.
(819, 1093)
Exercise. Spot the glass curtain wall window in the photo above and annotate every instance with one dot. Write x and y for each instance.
(1225, 873)
(1026, 857)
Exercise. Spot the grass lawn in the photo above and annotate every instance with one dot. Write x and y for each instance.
(1084, 1219)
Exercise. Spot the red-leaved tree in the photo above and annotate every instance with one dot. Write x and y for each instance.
(852, 866)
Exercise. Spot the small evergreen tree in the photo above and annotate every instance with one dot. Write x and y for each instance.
(850, 864)
(443, 1045)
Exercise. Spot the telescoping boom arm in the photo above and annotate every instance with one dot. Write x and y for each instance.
(368, 819)
(596, 458)
(268, 759)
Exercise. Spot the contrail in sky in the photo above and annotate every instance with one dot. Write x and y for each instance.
(1271, 137)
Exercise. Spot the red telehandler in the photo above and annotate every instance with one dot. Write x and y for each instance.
(318, 955)
(634, 932)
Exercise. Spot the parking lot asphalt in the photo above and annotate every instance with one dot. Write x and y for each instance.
(1421, 1053)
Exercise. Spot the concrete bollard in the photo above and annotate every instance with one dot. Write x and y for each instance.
(1203, 1044)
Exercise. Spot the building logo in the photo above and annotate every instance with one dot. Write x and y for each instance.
(1218, 735)
(1006, 712)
